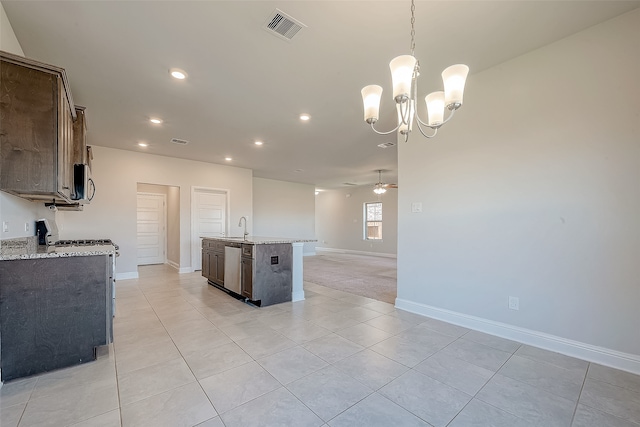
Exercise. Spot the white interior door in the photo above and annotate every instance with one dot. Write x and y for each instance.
(152, 228)
(209, 219)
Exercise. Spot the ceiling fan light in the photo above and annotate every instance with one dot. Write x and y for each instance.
(401, 75)
(379, 189)
(435, 108)
(371, 101)
(454, 78)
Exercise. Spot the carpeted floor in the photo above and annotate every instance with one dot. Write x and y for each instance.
(368, 276)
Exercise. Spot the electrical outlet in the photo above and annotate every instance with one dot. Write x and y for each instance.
(5, 226)
(514, 303)
(26, 226)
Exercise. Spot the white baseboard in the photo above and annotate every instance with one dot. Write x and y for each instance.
(297, 296)
(181, 270)
(349, 251)
(127, 275)
(603, 356)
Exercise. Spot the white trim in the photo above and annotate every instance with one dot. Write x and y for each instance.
(349, 251)
(297, 296)
(127, 275)
(604, 356)
(181, 270)
(310, 253)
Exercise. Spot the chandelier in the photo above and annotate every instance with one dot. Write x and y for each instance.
(405, 70)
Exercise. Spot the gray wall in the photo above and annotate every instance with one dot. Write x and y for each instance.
(339, 220)
(112, 213)
(533, 191)
(283, 209)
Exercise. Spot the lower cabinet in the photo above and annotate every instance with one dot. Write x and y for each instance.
(213, 261)
(54, 312)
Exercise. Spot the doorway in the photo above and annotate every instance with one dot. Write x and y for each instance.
(151, 228)
(208, 219)
(158, 238)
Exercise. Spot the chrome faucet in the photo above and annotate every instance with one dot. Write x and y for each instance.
(246, 233)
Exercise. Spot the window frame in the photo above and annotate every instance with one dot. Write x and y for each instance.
(376, 222)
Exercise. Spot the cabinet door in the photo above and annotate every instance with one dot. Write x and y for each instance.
(220, 268)
(65, 143)
(205, 263)
(27, 130)
(246, 275)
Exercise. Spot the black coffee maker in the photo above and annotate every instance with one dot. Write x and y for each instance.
(47, 232)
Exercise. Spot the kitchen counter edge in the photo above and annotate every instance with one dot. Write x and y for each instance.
(58, 252)
(255, 240)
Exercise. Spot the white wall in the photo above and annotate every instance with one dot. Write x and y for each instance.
(533, 191)
(282, 209)
(340, 220)
(172, 195)
(112, 213)
(14, 210)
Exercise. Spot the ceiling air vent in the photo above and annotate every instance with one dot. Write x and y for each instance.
(386, 144)
(282, 25)
(179, 141)
(349, 183)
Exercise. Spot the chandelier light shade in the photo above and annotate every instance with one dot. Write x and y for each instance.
(405, 70)
(454, 78)
(401, 76)
(371, 98)
(435, 108)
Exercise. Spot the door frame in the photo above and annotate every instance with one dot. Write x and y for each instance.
(164, 225)
(196, 189)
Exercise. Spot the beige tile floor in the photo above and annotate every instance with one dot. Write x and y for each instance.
(187, 354)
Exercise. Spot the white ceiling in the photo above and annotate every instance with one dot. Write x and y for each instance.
(246, 84)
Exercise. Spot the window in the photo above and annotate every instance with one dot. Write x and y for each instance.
(373, 221)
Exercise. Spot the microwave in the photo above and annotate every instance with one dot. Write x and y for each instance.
(83, 186)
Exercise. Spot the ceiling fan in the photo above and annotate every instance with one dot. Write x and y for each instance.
(381, 187)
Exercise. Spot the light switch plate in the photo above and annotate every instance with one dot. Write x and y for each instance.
(416, 207)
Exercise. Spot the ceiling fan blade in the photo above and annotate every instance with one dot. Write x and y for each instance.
(390, 185)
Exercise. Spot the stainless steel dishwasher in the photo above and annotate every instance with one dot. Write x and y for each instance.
(232, 255)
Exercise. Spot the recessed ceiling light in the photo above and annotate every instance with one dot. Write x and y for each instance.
(317, 192)
(155, 121)
(304, 117)
(177, 73)
(258, 143)
(143, 144)
(228, 159)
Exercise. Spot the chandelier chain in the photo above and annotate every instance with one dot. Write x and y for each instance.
(413, 29)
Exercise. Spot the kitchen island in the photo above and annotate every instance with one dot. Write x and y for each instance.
(263, 270)
(55, 306)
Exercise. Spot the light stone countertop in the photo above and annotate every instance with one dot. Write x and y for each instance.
(56, 252)
(258, 240)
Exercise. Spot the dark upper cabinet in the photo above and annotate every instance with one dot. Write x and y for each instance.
(37, 117)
